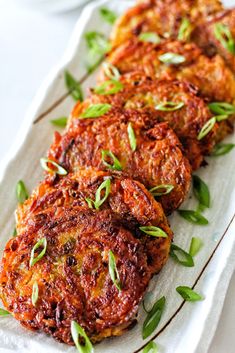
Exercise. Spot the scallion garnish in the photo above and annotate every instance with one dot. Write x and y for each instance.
(21, 192)
(108, 15)
(207, 127)
(153, 318)
(109, 87)
(181, 256)
(221, 108)
(150, 37)
(113, 272)
(116, 163)
(77, 332)
(98, 46)
(161, 190)
(98, 201)
(61, 122)
(95, 111)
(4, 312)
(171, 58)
(222, 148)
(195, 246)
(73, 87)
(151, 347)
(193, 217)
(111, 71)
(201, 191)
(59, 170)
(169, 106)
(185, 30)
(131, 136)
(14, 234)
(34, 293)
(224, 36)
(154, 231)
(221, 117)
(40, 243)
(188, 294)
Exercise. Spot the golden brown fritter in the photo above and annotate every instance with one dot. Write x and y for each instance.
(157, 160)
(142, 93)
(73, 276)
(205, 37)
(161, 16)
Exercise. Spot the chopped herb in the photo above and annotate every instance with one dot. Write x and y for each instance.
(113, 272)
(4, 312)
(116, 163)
(151, 347)
(73, 87)
(95, 111)
(98, 46)
(161, 190)
(185, 30)
(181, 256)
(201, 191)
(40, 243)
(195, 246)
(172, 58)
(131, 136)
(153, 318)
(77, 332)
(61, 122)
(59, 170)
(154, 231)
(35, 293)
(108, 15)
(150, 37)
(221, 117)
(188, 294)
(21, 192)
(98, 201)
(111, 71)
(169, 106)
(193, 217)
(224, 36)
(208, 126)
(221, 108)
(222, 148)
(14, 234)
(109, 87)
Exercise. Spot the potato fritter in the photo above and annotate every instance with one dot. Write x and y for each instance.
(73, 275)
(161, 16)
(104, 143)
(142, 93)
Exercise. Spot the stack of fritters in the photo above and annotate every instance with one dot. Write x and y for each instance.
(156, 105)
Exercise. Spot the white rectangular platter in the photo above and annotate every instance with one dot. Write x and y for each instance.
(185, 327)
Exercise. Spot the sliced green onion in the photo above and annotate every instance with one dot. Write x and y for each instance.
(35, 293)
(151, 347)
(169, 106)
(193, 217)
(221, 108)
(98, 201)
(161, 190)
(195, 246)
(73, 86)
(116, 163)
(181, 256)
(188, 294)
(14, 234)
(21, 192)
(221, 117)
(131, 136)
(154, 231)
(40, 243)
(108, 15)
(224, 36)
(207, 127)
(172, 58)
(222, 148)
(185, 30)
(150, 37)
(109, 87)
(111, 71)
(153, 318)
(61, 122)
(113, 272)
(201, 191)
(77, 332)
(4, 312)
(95, 110)
(59, 170)
(90, 202)
(97, 43)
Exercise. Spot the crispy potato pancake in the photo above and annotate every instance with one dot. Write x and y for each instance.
(73, 275)
(157, 160)
(143, 93)
(205, 37)
(161, 16)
